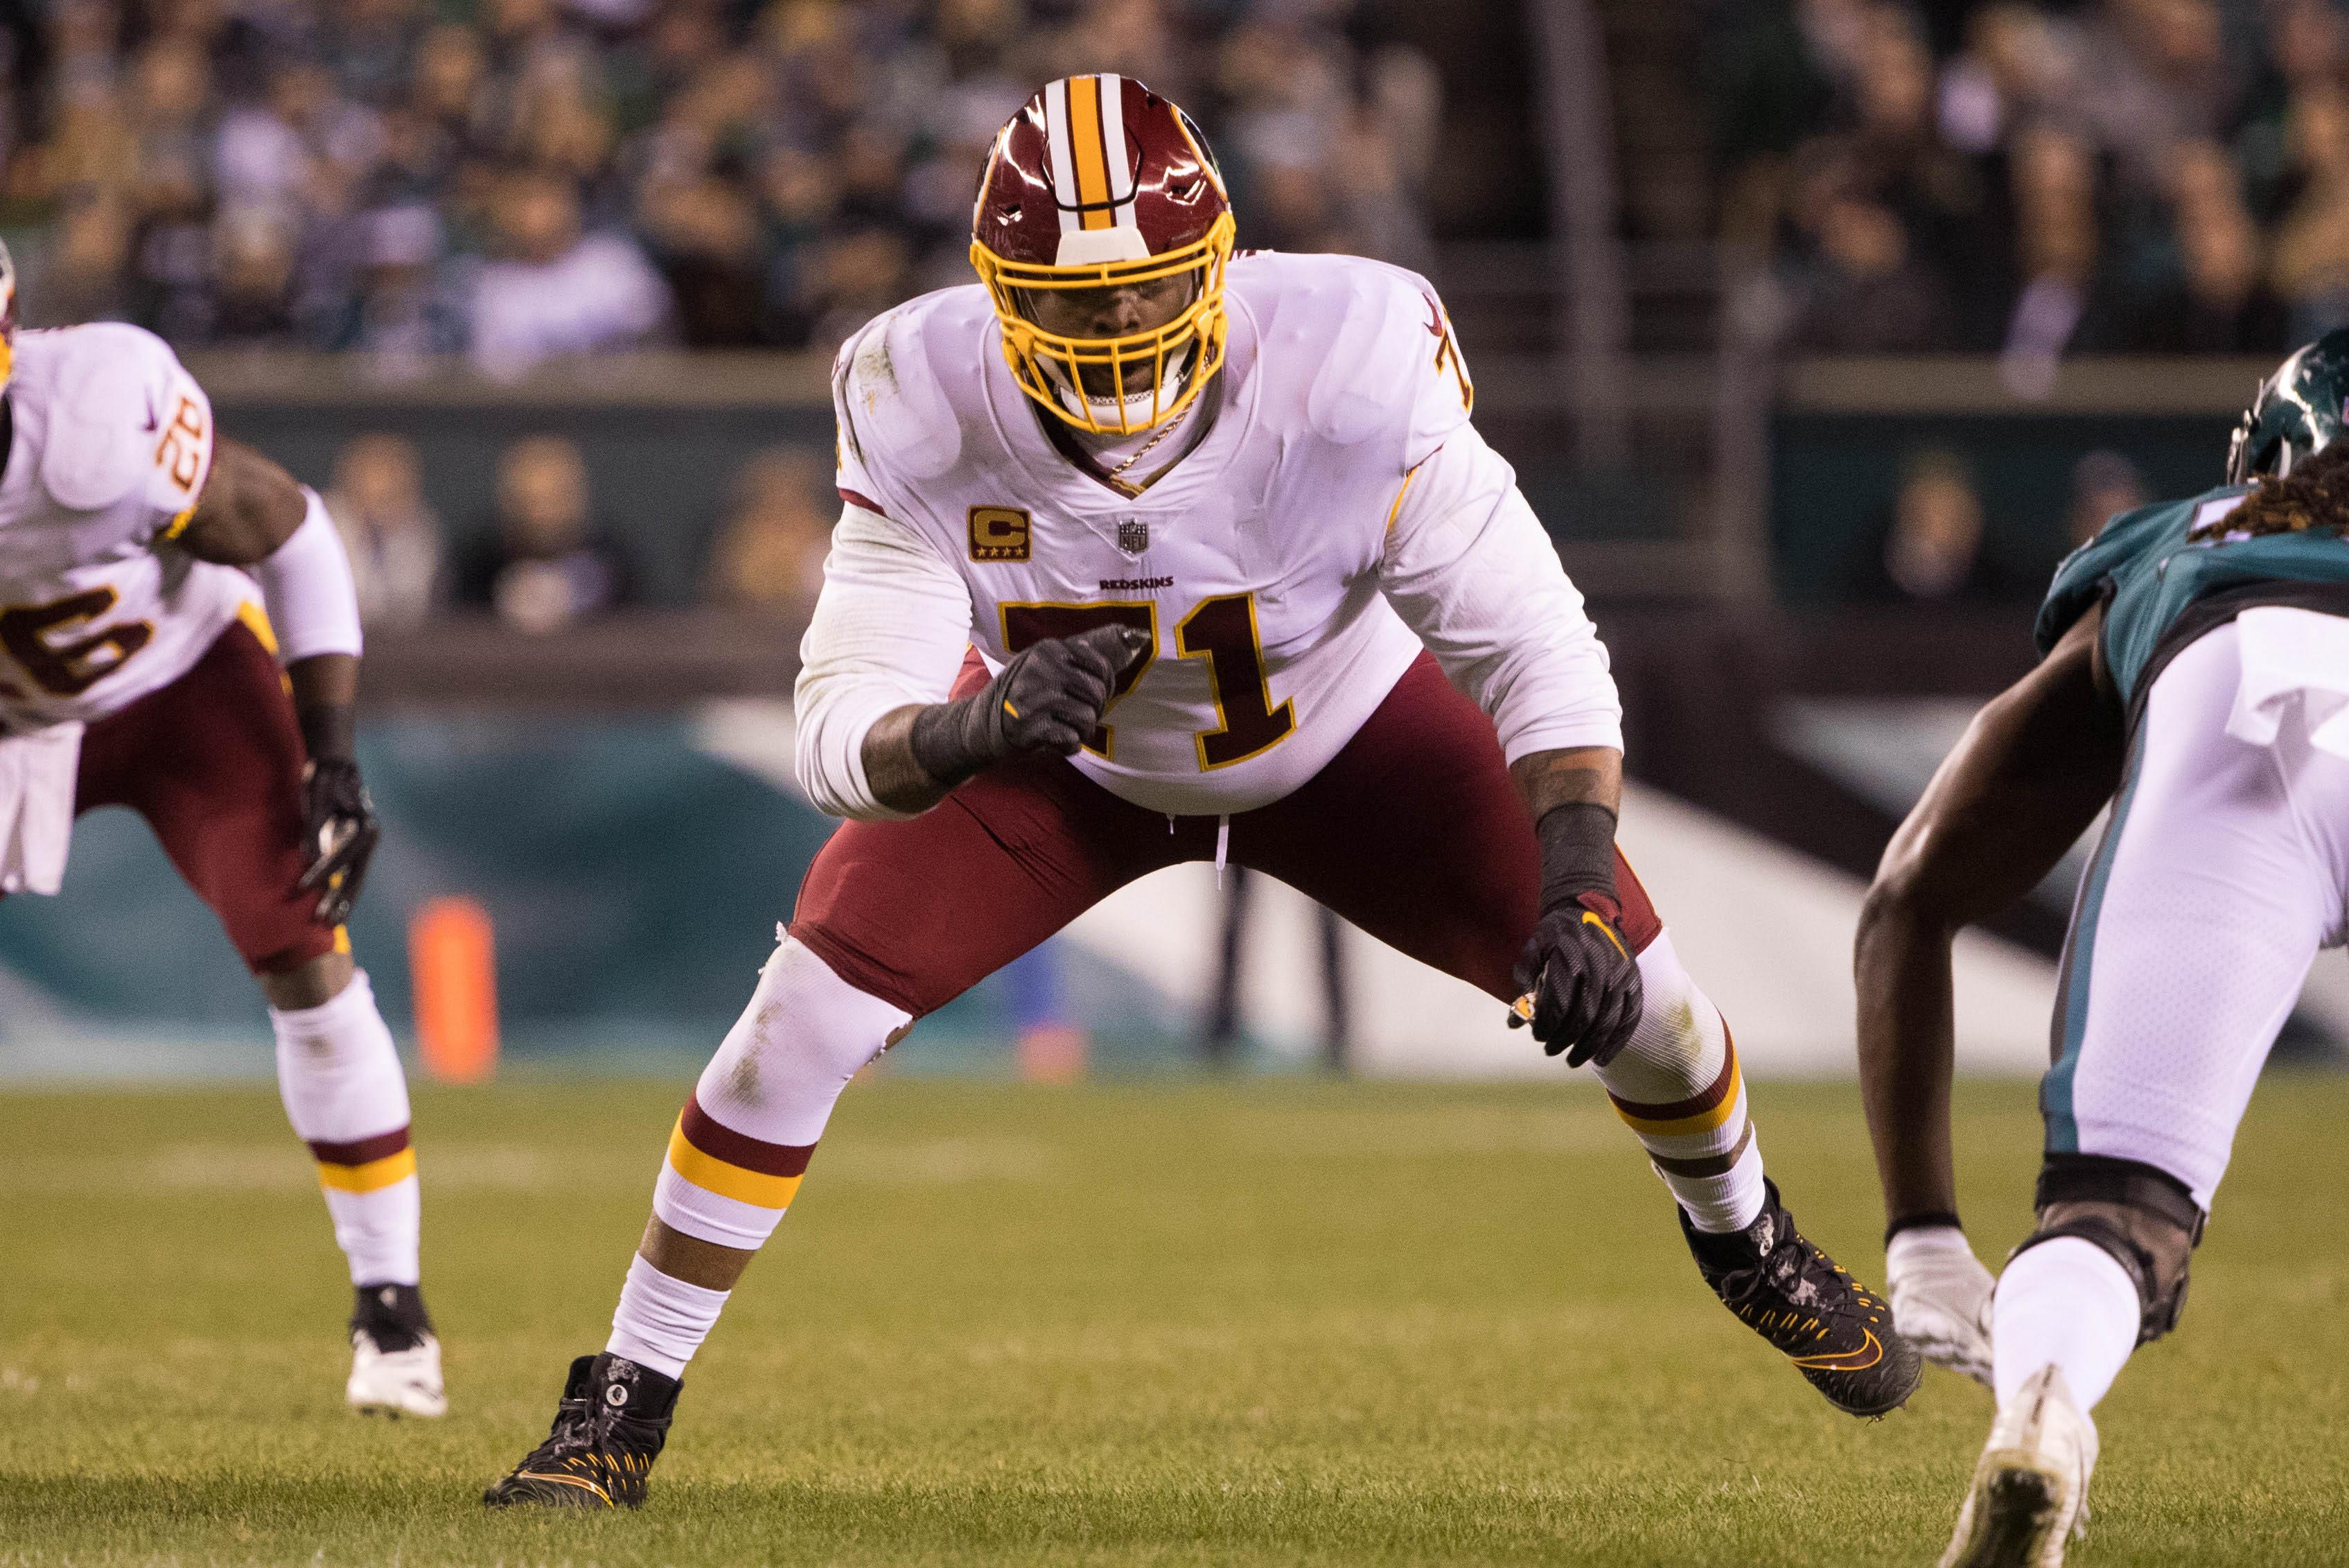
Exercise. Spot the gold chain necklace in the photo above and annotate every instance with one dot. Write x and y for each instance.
(1116, 475)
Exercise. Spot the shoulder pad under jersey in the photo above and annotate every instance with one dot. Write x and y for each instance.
(893, 404)
(2083, 577)
(117, 423)
(1388, 362)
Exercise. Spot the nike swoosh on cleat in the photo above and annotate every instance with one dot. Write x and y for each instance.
(565, 1480)
(1858, 1360)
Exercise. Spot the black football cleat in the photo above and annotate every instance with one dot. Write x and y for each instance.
(608, 1431)
(1836, 1331)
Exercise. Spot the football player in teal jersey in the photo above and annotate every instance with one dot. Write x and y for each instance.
(2195, 677)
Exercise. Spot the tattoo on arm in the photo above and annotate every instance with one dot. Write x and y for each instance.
(1577, 775)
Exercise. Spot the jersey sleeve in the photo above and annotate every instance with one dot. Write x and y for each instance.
(1471, 570)
(128, 422)
(889, 630)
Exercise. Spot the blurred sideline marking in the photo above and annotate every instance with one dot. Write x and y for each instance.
(453, 965)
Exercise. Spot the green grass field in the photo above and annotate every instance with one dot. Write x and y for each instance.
(1256, 1323)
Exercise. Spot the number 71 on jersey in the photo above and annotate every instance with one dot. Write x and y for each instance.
(1221, 630)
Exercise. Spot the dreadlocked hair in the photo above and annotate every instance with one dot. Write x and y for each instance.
(2314, 495)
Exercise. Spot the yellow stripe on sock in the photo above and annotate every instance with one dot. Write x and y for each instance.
(713, 1174)
(371, 1177)
(1702, 1121)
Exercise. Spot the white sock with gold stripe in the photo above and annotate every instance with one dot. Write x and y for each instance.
(1678, 1086)
(742, 1143)
(338, 1075)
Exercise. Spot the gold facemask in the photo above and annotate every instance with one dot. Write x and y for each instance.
(1050, 367)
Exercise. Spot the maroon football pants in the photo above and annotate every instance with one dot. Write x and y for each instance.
(1413, 832)
(213, 761)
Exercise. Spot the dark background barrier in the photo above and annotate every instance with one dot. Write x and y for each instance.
(664, 437)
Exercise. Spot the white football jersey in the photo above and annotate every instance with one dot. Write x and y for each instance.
(1252, 563)
(110, 441)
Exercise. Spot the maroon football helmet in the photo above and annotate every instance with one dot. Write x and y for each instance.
(1099, 184)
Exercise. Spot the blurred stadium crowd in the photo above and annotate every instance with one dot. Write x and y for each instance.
(513, 179)
(2113, 176)
(546, 556)
(516, 180)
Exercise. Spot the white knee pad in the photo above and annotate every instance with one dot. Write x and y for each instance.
(804, 1035)
(1678, 1045)
(338, 1070)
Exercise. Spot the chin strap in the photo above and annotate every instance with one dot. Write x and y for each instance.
(1108, 412)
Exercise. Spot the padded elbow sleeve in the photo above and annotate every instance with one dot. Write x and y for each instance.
(306, 587)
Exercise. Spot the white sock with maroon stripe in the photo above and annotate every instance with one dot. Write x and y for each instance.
(743, 1141)
(338, 1075)
(1677, 1085)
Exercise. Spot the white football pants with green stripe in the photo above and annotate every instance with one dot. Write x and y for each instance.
(2220, 875)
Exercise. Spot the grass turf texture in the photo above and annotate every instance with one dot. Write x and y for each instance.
(1258, 1323)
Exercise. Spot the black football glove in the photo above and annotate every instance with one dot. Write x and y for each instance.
(1580, 983)
(1049, 698)
(338, 823)
(339, 833)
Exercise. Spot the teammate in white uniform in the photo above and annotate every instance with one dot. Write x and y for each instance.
(2196, 677)
(137, 667)
(1151, 553)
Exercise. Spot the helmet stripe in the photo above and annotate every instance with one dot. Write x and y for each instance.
(1114, 159)
(1064, 161)
(1085, 137)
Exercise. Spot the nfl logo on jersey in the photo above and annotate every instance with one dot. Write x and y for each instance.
(1133, 536)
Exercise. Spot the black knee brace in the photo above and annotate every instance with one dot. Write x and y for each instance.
(2145, 1217)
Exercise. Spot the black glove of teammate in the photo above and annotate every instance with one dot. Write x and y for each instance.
(338, 823)
(1050, 697)
(1582, 985)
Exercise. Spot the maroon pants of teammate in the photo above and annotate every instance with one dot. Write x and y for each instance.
(213, 761)
(1414, 831)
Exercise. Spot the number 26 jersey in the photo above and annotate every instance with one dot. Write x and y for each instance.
(1252, 564)
(110, 441)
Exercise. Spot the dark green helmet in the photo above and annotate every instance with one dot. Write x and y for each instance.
(2298, 413)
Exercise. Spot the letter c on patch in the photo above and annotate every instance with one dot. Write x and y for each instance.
(998, 533)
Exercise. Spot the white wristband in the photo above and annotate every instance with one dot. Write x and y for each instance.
(1923, 1242)
(306, 587)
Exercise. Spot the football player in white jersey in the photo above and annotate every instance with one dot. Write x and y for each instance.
(1152, 553)
(139, 667)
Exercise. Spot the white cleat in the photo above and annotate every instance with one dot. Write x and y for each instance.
(2030, 1494)
(395, 1382)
